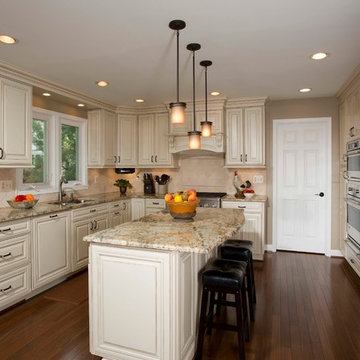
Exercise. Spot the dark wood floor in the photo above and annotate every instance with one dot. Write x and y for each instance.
(308, 308)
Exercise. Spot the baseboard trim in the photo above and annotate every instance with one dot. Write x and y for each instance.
(270, 247)
(336, 253)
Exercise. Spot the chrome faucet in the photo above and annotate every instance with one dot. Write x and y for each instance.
(61, 193)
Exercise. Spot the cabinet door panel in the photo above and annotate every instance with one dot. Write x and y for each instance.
(161, 145)
(80, 248)
(110, 142)
(234, 137)
(127, 140)
(253, 129)
(215, 116)
(146, 139)
(251, 231)
(16, 127)
(94, 138)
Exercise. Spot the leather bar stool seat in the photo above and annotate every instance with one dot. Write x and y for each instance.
(228, 277)
(241, 250)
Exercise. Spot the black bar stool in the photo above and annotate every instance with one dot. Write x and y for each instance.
(227, 277)
(241, 250)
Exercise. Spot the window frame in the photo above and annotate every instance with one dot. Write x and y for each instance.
(54, 121)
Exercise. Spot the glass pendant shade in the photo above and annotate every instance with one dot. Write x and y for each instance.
(177, 113)
(194, 140)
(206, 128)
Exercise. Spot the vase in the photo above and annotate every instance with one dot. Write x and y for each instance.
(123, 190)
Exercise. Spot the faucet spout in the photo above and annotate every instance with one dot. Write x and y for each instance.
(61, 193)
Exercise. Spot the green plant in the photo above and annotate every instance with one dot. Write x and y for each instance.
(123, 183)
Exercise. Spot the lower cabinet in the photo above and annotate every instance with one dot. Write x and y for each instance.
(85, 222)
(137, 208)
(352, 255)
(51, 248)
(153, 206)
(119, 212)
(254, 226)
(143, 303)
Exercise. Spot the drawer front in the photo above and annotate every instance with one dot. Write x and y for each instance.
(119, 205)
(14, 286)
(155, 203)
(89, 211)
(252, 206)
(14, 251)
(12, 229)
(352, 255)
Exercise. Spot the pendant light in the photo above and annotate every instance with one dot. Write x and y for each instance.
(194, 136)
(177, 109)
(206, 125)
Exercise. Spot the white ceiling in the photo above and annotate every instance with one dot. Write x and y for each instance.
(258, 47)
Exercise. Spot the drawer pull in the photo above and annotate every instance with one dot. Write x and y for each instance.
(117, 213)
(241, 207)
(156, 203)
(93, 210)
(117, 205)
(53, 216)
(6, 255)
(6, 289)
(5, 230)
(352, 261)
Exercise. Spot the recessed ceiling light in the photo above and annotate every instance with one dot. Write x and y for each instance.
(214, 93)
(304, 90)
(80, 105)
(319, 56)
(46, 94)
(102, 83)
(140, 100)
(6, 39)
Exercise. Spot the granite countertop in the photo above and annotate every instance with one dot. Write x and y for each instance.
(42, 208)
(160, 231)
(255, 198)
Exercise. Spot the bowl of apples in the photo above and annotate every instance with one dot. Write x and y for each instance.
(23, 202)
(182, 205)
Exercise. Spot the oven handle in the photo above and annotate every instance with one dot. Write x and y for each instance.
(352, 153)
(353, 203)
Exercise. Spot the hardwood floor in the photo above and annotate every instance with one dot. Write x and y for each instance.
(308, 308)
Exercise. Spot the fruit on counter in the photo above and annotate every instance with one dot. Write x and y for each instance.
(28, 197)
(248, 191)
(181, 197)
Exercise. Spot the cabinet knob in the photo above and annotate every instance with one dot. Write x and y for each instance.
(1, 153)
(241, 157)
(119, 158)
(152, 158)
(114, 159)
(155, 158)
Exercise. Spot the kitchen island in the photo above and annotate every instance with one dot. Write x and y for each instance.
(144, 283)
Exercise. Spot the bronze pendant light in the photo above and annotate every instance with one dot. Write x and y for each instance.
(206, 125)
(177, 109)
(194, 136)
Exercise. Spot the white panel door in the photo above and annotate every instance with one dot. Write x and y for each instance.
(302, 172)
(162, 155)
(127, 140)
(146, 139)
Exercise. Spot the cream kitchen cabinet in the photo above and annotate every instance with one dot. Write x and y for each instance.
(127, 140)
(51, 248)
(119, 212)
(15, 124)
(153, 206)
(15, 264)
(86, 221)
(254, 226)
(137, 208)
(102, 139)
(154, 140)
(245, 137)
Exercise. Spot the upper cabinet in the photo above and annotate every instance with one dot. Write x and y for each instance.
(15, 124)
(102, 142)
(245, 134)
(154, 140)
(127, 137)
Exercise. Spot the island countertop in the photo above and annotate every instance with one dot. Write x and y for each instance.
(160, 231)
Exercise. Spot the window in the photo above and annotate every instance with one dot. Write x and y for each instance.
(58, 151)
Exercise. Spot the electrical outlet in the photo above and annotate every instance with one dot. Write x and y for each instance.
(6, 185)
(258, 179)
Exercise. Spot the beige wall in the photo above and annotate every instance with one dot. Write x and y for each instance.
(306, 108)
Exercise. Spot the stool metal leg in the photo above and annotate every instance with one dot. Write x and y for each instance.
(202, 324)
(240, 323)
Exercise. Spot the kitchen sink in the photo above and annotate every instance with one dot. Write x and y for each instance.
(71, 202)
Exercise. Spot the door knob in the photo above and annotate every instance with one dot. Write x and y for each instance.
(320, 194)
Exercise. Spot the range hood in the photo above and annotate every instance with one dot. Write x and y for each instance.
(213, 144)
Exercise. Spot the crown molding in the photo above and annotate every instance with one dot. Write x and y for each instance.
(350, 85)
(13, 73)
(239, 102)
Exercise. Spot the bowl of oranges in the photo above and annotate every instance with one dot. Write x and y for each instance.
(23, 202)
(182, 205)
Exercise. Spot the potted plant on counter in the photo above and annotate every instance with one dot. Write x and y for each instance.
(123, 184)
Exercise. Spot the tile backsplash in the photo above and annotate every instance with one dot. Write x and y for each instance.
(203, 173)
